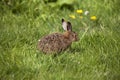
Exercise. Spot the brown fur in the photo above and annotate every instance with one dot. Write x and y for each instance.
(57, 42)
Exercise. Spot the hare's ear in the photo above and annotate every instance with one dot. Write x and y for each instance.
(64, 24)
(69, 26)
(63, 20)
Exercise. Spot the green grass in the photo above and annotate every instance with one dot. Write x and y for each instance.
(96, 56)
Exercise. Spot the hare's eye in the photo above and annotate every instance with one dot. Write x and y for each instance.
(73, 32)
(76, 35)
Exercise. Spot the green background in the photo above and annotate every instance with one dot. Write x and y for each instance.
(96, 56)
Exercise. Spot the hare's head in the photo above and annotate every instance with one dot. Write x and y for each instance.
(71, 35)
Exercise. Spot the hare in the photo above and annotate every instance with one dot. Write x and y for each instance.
(57, 42)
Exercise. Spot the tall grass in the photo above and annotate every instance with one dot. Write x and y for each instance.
(94, 57)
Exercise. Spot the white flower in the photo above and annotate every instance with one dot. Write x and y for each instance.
(86, 12)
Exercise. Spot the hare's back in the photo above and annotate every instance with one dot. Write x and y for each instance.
(51, 43)
(52, 38)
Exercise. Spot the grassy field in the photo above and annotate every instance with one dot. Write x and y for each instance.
(96, 56)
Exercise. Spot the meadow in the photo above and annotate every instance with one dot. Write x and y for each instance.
(96, 56)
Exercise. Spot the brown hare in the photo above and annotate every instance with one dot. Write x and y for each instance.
(57, 42)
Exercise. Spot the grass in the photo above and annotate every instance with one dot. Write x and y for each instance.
(94, 57)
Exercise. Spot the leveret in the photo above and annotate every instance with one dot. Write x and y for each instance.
(57, 42)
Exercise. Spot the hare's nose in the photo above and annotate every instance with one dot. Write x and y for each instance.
(77, 39)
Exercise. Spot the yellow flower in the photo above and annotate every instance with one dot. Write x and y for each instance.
(93, 18)
(80, 11)
(81, 17)
(72, 16)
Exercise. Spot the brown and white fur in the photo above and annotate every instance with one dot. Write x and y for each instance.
(57, 42)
